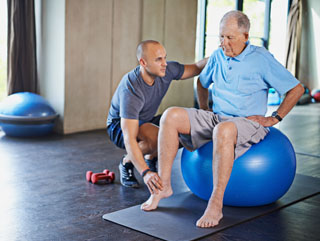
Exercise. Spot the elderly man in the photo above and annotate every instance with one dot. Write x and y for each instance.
(131, 123)
(241, 75)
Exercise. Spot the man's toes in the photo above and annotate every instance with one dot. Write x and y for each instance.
(206, 223)
(200, 224)
(147, 206)
(144, 206)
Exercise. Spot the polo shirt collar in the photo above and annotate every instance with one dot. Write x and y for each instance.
(243, 54)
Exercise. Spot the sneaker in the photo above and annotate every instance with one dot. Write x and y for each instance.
(127, 177)
(152, 164)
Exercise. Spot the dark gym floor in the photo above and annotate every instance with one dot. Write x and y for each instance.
(45, 196)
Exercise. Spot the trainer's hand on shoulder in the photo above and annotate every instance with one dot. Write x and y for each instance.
(153, 182)
(264, 121)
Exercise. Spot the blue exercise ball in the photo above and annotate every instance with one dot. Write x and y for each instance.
(260, 176)
(26, 114)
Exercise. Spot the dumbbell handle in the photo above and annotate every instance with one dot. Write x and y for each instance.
(110, 174)
(102, 176)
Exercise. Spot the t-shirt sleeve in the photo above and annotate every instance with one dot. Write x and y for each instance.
(206, 74)
(174, 70)
(278, 77)
(130, 105)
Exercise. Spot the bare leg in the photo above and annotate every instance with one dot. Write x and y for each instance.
(174, 121)
(224, 139)
(147, 141)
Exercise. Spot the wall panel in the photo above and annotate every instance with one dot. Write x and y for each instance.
(88, 64)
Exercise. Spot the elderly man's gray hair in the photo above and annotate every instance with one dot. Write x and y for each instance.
(242, 19)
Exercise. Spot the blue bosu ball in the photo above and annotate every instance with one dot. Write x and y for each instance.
(260, 176)
(26, 114)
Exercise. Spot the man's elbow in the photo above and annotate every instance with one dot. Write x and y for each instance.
(299, 90)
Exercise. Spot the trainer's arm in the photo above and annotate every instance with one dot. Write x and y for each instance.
(130, 131)
(287, 104)
(191, 70)
(203, 95)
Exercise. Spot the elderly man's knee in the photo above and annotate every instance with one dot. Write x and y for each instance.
(225, 131)
(170, 116)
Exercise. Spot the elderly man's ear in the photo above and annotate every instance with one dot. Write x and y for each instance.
(246, 35)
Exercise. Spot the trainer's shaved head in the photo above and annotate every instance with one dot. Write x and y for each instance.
(143, 46)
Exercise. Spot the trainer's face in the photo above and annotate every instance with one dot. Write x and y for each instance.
(155, 60)
(232, 39)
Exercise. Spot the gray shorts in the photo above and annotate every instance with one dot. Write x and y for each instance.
(203, 122)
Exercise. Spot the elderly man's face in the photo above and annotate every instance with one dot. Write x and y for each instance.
(232, 39)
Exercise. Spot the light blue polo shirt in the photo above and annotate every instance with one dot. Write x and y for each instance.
(241, 83)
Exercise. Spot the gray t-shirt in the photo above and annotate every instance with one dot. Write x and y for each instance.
(134, 99)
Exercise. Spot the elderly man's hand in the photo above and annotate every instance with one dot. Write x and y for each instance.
(153, 182)
(264, 121)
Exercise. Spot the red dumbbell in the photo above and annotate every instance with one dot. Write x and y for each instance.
(110, 174)
(105, 175)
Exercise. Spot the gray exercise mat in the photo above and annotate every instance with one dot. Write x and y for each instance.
(176, 216)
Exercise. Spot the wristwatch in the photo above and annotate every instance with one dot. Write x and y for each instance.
(275, 115)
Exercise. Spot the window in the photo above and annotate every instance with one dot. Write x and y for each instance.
(255, 10)
(3, 48)
(268, 23)
(278, 26)
(215, 11)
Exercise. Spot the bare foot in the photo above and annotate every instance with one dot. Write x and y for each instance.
(153, 201)
(211, 216)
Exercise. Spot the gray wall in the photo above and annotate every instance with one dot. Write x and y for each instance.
(174, 23)
(86, 46)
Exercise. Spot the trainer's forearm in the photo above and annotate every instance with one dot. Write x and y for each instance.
(130, 129)
(191, 70)
(135, 154)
